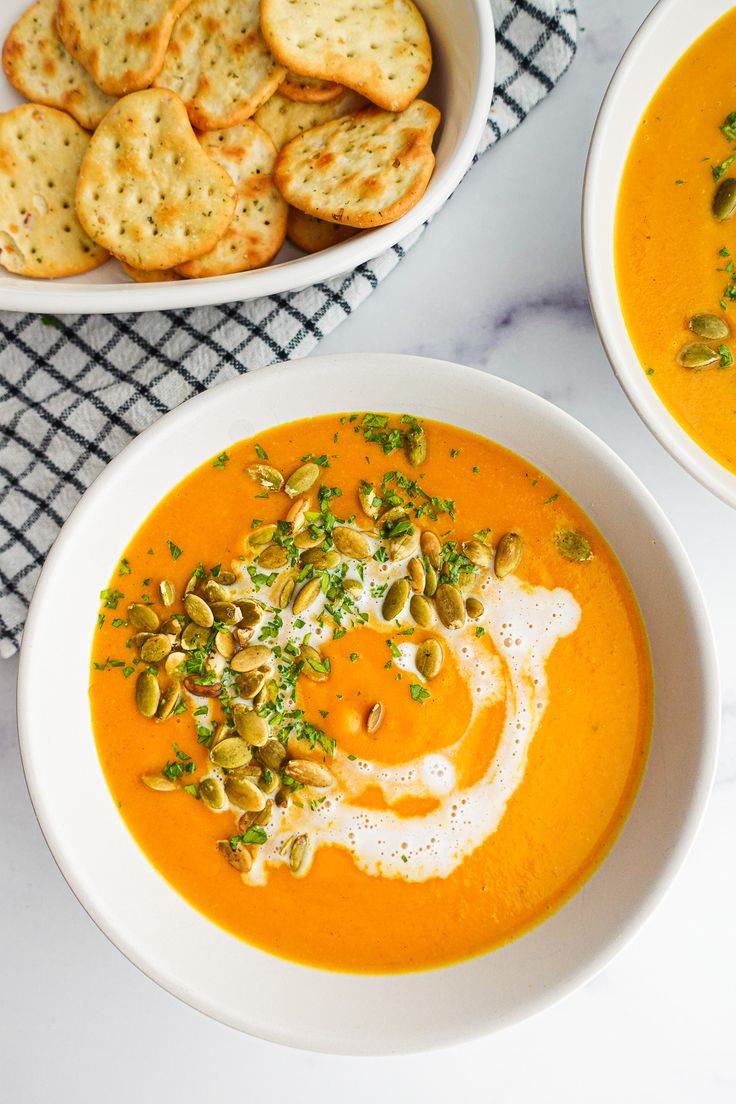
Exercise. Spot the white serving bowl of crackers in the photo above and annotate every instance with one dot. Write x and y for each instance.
(176, 153)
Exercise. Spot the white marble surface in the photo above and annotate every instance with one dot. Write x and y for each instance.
(497, 282)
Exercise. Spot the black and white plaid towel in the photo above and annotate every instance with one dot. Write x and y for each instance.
(75, 390)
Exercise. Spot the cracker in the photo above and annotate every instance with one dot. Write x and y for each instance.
(258, 229)
(362, 170)
(36, 62)
(310, 89)
(121, 43)
(312, 234)
(147, 191)
(218, 62)
(154, 276)
(40, 153)
(380, 48)
(282, 118)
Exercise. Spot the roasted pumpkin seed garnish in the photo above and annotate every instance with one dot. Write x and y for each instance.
(698, 355)
(406, 544)
(231, 752)
(431, 547)
(251, 683)
(194, 636)
(156, 648)
(245, 794)
(509, 552)
(250, 726)
(478, 553)
(313, 666)
(430, 585)
(396, 598)
(573, 545)
(198, 610)
(167, 590)
(417, 574)
(415, 445)
(157, 781)
(450, 606)
(301, 480)
(309, 773)
(474, 608)
(147, 693)
(300, 855)
(307, 596)
(143, 617)
(709, 326)
(266, 476)
(273, 557)
(724, 200)
(238, 856)
(351, 543)
(375, 717)
(255, 655)
(296, 513)
(168, 702)
(225, 644)
(369, 501)
(429, 658)
(422, 610)
(212, 793)
(284, 590)
(272, 755)
(319, 559)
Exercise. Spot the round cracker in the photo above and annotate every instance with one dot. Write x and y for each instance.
(154, 276)
(120, 43)
(147, 191)
(380, 48)
(309, 89)
(312, 234)
(362, 170)
(219, 63)
(282, 118)
(37, 64)
(258, 228)
(41, 150)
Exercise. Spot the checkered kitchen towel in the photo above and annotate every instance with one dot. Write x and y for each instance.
(75, 390)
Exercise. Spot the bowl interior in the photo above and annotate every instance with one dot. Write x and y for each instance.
(461, 85)
(663, 38)
(211, 969)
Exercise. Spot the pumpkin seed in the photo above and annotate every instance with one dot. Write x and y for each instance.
(143, 617)
(305, 538)
(281, 799)
(300, 855)
(169, 701)
(415, 445)
(313, 666)
(350, 543)
(296, 514)
(509, 552)
(244, 793)
(273, 557)
(421, 610)
(194, 636)
(263, 696)
(431, 547)
(478, 553)
(285, 589)
(140, 639)
(251, 683)
(263, 818)
(406, 544)
(252, 613)
(307, 595)
(260, 537)
(157, 781)
(192, 584)
(239, 857)
(172, 627)
(466, 580)
(430, 587)
(450, 606)
(225, 644)
(429, 659)
(375, 717)
(319, 559)
(156, 648)
(301, 480)
(272, 755)
(698, 355)
(213, 592)
(198, 611)
(474, 608)
(212, 792)
(250, 726)
(266, 476)
(369, 500)
(202, 689)
(724, 200)
(255, 655)
(395, 600)
(222, 731)
(573, 545)
(167, 590)
(417, 574)
(173, 662)
(354, 587)
(242, 637)
(147, 693)
(231, 752)
(390, 517)
(709, 326)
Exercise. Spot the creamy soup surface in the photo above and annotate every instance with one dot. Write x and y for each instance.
(372, 694)
(675, 242)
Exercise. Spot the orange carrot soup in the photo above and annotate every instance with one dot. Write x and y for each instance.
(371, 693)
(675, 242)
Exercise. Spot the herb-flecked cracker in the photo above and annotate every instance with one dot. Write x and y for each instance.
(310, 89)
(147, 191)
(152, 276)
(121, 43)
(380, 48)
(282, 118)
(40, 153)
(258, 228)
(363, 170)
(36, 62)
(312, 234)
(219, 63)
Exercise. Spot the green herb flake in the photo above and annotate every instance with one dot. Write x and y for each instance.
(111, 598)
(726, 356)
(261, 452)
(174, 550)
(722, 168)
(418, 693)
(221, 461)
(552, 498)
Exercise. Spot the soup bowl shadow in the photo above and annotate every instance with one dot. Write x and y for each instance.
(239, 984)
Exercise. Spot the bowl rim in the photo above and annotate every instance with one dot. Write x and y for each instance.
(296, 274)
(657, 886)
(598, 258)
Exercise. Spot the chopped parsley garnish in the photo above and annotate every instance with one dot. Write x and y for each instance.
(221, 461)
(261, 452)
(174, 549)
(418, 693)
(111, 598)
